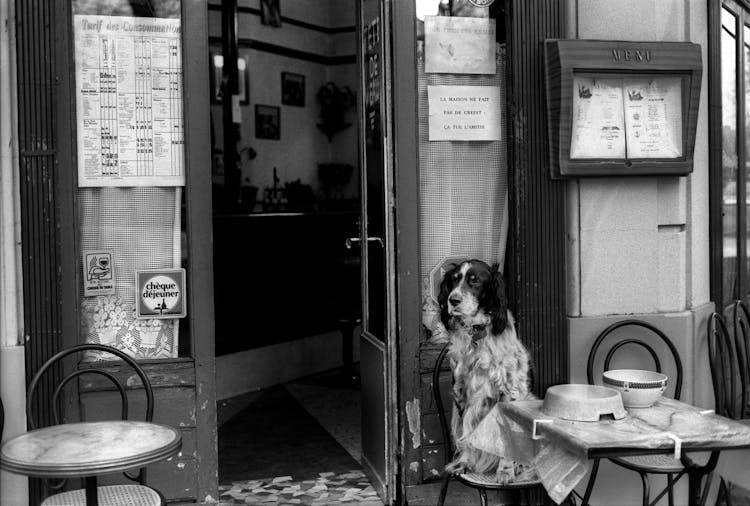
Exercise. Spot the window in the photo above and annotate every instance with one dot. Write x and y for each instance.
(731, 266)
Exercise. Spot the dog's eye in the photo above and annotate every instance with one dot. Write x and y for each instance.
(473, 279)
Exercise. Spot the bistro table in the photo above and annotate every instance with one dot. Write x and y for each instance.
(89, 449)
(561, 448)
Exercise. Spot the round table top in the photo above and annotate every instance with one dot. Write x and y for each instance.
(89, 448)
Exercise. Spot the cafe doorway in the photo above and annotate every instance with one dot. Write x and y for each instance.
(286, 207)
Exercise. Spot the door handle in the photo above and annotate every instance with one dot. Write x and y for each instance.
(351, 240)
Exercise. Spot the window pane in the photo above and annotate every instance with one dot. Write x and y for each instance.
(729, 153)
(129, 125)
(463, 168)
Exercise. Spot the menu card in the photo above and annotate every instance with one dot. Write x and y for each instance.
(638, 117)
(653, 117)
(598, 124)
(129, 101)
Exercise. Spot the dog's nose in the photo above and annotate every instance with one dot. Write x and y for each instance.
(454, 301)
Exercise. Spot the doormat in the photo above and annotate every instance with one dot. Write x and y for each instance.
(327, 489)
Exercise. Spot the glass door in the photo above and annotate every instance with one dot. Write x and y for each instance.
(378, 276)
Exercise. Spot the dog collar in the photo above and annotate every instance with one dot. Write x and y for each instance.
(477, 333)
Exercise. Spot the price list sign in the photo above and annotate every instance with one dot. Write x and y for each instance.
(130, 121)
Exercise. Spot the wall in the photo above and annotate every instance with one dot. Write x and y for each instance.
(638, 247)
(325, 52)
(14, 488)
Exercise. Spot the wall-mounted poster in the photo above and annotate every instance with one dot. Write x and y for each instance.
(464, 113)
(129, 101)
(457, 45)
(267, 122)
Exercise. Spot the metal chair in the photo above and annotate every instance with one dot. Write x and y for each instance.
(649, 464)
(481, 482)
(742, 349)
(724, 360)
(111, 495)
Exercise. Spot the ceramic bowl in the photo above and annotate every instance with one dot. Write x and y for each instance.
(583, 403)
(639, 389)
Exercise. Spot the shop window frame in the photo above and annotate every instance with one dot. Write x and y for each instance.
(741, 9)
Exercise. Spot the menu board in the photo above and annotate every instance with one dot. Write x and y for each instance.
(635, 118)
(130, 124)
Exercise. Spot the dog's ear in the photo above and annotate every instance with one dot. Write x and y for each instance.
(499, 301)
(446, 286)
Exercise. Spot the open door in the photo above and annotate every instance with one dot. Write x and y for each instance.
(376, 236)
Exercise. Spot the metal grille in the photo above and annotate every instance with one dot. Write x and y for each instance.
(536, 252)
(37, 146)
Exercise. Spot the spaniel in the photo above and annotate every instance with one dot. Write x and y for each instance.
(489, 362)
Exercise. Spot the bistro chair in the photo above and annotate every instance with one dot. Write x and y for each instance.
(479, 481)
(742, 348)
(724, 359)
(111, 495)
(644, 465)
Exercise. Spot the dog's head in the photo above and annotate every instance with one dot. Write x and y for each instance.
(473, 293)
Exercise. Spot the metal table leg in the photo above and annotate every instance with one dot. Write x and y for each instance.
(91, 496)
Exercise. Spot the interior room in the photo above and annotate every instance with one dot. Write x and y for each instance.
(286, 277)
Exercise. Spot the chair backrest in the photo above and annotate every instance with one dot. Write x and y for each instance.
(444, 425)
(722, 359)
(96, 368)
(621, 342)
(742, 348)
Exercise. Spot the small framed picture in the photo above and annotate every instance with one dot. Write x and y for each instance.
(267, 122)
(218, 84)
(292, 89)
(270, 12)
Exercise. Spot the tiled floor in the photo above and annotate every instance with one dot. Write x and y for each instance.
(327, 488)
(290, 433)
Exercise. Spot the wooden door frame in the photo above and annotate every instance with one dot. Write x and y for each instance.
(537, 214)
(198, 219)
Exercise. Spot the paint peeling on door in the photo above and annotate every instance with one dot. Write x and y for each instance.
(414, 466)
(415, 421)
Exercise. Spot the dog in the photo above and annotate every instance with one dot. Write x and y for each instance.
(489, 362)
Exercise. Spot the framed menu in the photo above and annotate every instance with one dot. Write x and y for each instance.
(626, 118)
(621, 108)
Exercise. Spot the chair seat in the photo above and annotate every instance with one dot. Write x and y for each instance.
(489, 480)
(113, 495)
(660, 463)
(651, 463)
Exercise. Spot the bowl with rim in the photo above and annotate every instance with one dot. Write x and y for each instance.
(638, 388)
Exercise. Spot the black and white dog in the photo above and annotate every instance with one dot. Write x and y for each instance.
(489, 362)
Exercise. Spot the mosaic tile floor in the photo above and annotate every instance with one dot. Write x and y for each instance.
(326, 489)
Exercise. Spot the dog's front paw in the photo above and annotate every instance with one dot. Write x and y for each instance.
(457, 467)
